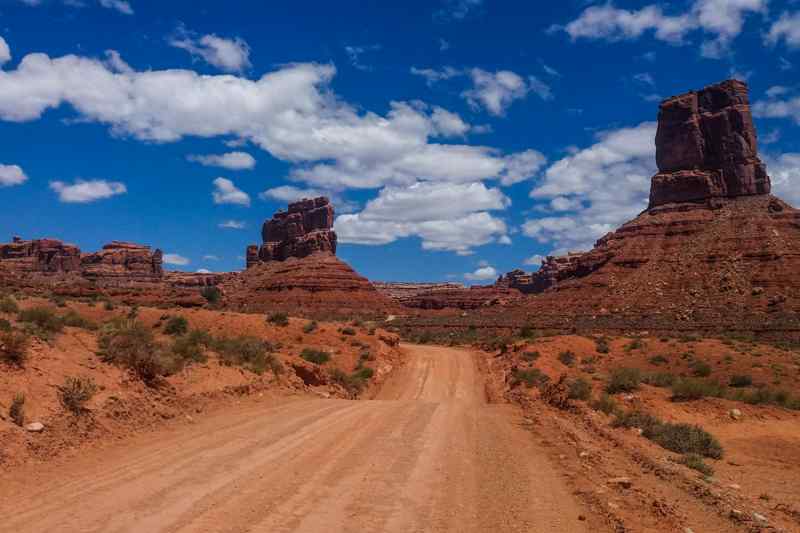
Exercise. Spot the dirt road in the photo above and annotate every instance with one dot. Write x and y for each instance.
(427, 455)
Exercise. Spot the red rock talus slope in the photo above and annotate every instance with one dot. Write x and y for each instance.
(444, 295)
(713, 250)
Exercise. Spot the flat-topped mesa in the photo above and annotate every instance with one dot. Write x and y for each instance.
(39, 255)
(304, 229)
(123, 259)
(706, 147)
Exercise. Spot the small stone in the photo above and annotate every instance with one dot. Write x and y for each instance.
(612, 505)
(735, 414)
(735, 486)
(583, 455)
(736, 514)
(688, 530)
(624, 482)
(582, 518)
(35, 427)
(760, 518)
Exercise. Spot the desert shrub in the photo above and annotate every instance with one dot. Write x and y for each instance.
(8, 305)
(527, 332)
(695, 389)
(658, 360)
(348, 331)
(700, 369)
(108, 305)
(318, 357)
(567, 358)
(17, 410)
(624, 380)
(14, 347)
(310, 327)
(211, 294)
(44, 320)
(279, 319)
(606, 404)
(176, 325)
(366, 355)
(635, 344)
(191, 347)
(579, 389)
(76, 392)
(74, 320)
(659, 379)
(5, 325)
(353, 383)
(684, 438)
(601, 345)
(530, 356)
(635, 419)
(531, 377)
(364, 373)
(695, 462)
(131, 345)
(59, 301)
(740, 380)
(248, 352)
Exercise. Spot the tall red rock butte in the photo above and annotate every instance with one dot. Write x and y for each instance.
(296, 269)
(714, 249)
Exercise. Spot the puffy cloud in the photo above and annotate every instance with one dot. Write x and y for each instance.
(354, 53)
(597, 188)
(534, 260)
(445, 216)
(5, 52)
(432, 75)
(232, 224)
(784, 170)
(11, 175)
(229, 55)
(230, 160)
(83, 191)
(721, 19)
(289, 193)
(482, 274)
(210, 257)
(787, 29)
(119, 5)
(522, 166)
(115, 62)
(497, 91)
(225, 192)
(203, 271)
(290, 113)
(175, 259)
(447, 123)
(458, 9)
(775, 107)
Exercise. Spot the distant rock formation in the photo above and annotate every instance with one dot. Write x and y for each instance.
(40, 255)
(706, 147)
(441, 295)
(125, 260)
(304, 229)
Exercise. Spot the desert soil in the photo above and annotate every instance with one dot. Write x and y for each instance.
(427, 454)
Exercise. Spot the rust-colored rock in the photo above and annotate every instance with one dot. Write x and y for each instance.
(706, 147)
(304, 229)
(435, 296)
(123, 260)
(39, 255)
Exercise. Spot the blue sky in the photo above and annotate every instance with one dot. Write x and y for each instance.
(459, 138)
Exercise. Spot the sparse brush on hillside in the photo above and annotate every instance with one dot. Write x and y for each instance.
(347, 331)
(130, 344)
(17, 410)
(310, 327)
(8, 305)
(41, 321)
(700, 369)
(678, 438)
(659, 379)
(605, 404)
(318, 357)
(5, 325)
(567, 358)
(212, 295)
(191, 347)
(74, 320)
(579, 389)
(695, 462)
(353, 383)
(688, 389)
(532, 377)
(75, 393)
(176, 325)
(624, 380)
(278, 319)
(602, 345)
(251, 353)
(14, 347)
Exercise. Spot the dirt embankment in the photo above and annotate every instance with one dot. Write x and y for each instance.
(124, 404)
(754, 485)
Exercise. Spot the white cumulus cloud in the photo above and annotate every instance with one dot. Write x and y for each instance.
(119, 5)
(5, 52)
(784, 170)
(496, 91)
(232, 224)
(483, 273)
(85, 191)
(175, 259)
(229, 55)
(11, 175)
(226, 192)
(786, 29)
(230, 160)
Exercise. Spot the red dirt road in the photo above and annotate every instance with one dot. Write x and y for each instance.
(427, 455)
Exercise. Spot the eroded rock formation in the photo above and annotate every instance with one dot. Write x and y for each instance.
(304, 229)
(40, 255)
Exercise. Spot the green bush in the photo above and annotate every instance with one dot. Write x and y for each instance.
(251, 353)
(14, 348)
(348, 331)
(8, 305)
(317, 357)
(44, 320)
(531, 378)
(635, 419)
(579, 389)
(685, 438)
(567, 358)
(76, 392)
(129, 344)
(17, 410)
(530, 356)
(700, 369)
(624, 380)
(364, 373)
(635, 344)
(278, 319)
(353, 383)
(695, 462)
(74, 320)
(694, 389)
(658, 360)
(741, 380)
(528, 332)
(212, 294)
(659, 379)
(176, 325)
(605, 404)
(602, 345)
(108, 305)
(310, 327)
(5, 325)
(191, 347)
